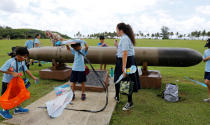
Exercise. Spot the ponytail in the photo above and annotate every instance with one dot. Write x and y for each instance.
(126, 28)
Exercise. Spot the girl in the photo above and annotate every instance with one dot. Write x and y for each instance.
(125, 58)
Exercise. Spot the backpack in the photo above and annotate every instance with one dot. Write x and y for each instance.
(171, 93)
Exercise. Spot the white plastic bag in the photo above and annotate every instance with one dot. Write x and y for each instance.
(62, 89)
(56, 106)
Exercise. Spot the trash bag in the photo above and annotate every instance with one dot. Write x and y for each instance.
(15, 94)
(56, 106)
(171, 93)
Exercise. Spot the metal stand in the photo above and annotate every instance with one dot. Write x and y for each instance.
(150, 78)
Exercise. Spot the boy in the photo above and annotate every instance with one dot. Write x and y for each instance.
(206, 58)
(78, 70)
(37, 45)
(10, 70)
(102, 44)
(29, 44)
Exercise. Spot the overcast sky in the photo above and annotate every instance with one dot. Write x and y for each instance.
(92, 16)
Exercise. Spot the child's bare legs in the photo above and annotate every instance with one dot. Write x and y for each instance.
(73, 89)
(83, 96)
(73, 86)
(101, 65)
(83, 87)
(207, 82)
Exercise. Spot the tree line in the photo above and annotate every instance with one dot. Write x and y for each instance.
(7, 32)
(164, 33)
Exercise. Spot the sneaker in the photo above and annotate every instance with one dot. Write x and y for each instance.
(83, 97)
(206, 100)
(117, 99)
(20, 110)
(40, 65)
(128, 106)
(5, 114)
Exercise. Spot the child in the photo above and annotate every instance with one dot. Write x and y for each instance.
(37, 44)
(29, 44)
(10, 70)
(206, 58)
(78, 70)
(102, 44)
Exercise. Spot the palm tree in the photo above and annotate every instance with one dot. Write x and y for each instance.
(165, 32)
(171, 34)
(203, 33)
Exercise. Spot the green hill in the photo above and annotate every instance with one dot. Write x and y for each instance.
(9, 33)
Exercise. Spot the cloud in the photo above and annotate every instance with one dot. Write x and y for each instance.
(204, 9)
(8, 6)
(91, 16)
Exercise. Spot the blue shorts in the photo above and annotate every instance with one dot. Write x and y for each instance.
(78, 76)
(207, 75)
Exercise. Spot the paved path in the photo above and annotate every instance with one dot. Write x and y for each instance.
(95, 100)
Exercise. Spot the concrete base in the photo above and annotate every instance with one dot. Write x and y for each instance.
(93, 84)
(152, 80)
(63, 74)
(95, 100)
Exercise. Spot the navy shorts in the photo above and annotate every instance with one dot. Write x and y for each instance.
(78, 76)
(207, 75)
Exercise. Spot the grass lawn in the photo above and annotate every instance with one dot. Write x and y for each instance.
(149, 109)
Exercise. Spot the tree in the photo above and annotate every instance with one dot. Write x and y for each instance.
(157, 35)
(208, 34)
(203, 33)
(7, 32)
(153, 35)
(165, 32)
(171, 34)
(177, 34)
(78, 34)
(180, 35)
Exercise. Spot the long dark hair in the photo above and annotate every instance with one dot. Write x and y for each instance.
(126, 28)
(37, 35)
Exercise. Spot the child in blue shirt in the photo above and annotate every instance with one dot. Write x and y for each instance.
(206, 58)
(78, 70)
(37, 45)
(11, 69)
(102, 44)
(29, 43)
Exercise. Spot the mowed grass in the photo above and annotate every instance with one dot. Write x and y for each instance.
(149, 108)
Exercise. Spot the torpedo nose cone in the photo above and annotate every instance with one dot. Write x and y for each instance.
(179, 57)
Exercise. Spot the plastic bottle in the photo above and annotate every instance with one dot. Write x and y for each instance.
(111, 72)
